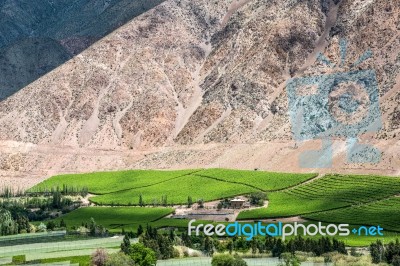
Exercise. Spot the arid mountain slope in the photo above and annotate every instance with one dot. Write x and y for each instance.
(198, 84)
(38, 36)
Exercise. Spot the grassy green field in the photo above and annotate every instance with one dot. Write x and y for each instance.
(282, 204)
(80, 260)
(36, 251)
(351, 189)
(358, 200)
(115, 217)
(108, 182)
(120, 181)
(177, 191)
(266, 181)
(327, 193)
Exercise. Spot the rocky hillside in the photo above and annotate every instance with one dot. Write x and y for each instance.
(36, 37)
(200, 83)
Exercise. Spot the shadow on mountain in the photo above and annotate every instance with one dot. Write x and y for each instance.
(38, 36)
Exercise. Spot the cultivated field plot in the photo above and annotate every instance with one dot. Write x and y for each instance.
(61, 249)
(176, 191)
(73, 260)
(28, 238)
(239, 181)
(107, 182)
(350, 189)
(385, 213)
(282, 204)
(262, 180)
(115, 217)
(327, 193)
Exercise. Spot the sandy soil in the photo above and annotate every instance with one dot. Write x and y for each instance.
(235, 6)
(24, 165)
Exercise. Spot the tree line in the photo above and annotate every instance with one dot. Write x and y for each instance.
(389, 253)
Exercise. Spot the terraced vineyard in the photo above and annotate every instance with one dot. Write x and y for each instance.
(350, 189)
(115, 217)
(357, 200)
(385, 213)
(108, 182)
(327, 193)
(129, 218)
(262, 180)
(332, 198)
(283, 204)
(176, 191)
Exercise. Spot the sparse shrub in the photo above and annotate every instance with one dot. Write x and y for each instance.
(185, 252)
(99, 257)
(200, 202)
(289, 259)
(354, 253)
(176, 253)
(227, 260)
(42, 227)
(119, 259)
(20, 259)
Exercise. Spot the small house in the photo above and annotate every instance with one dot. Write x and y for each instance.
(237, 203)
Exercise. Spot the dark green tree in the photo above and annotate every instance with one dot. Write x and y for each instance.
(125, 245)
(208, 246)
(230, 246)
(140, 230)
(257, 198)
(172, 235)
(63, 224)
(22, 223)
(7, 224)
(92, 227)
(51, 225)
(189, 202)
(396, 260)
(164, 200)
(56, 201)
(253, 245)
(278, 249)
(141, 203)
(376, 249)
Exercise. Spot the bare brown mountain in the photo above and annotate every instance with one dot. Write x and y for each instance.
(200, 84)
